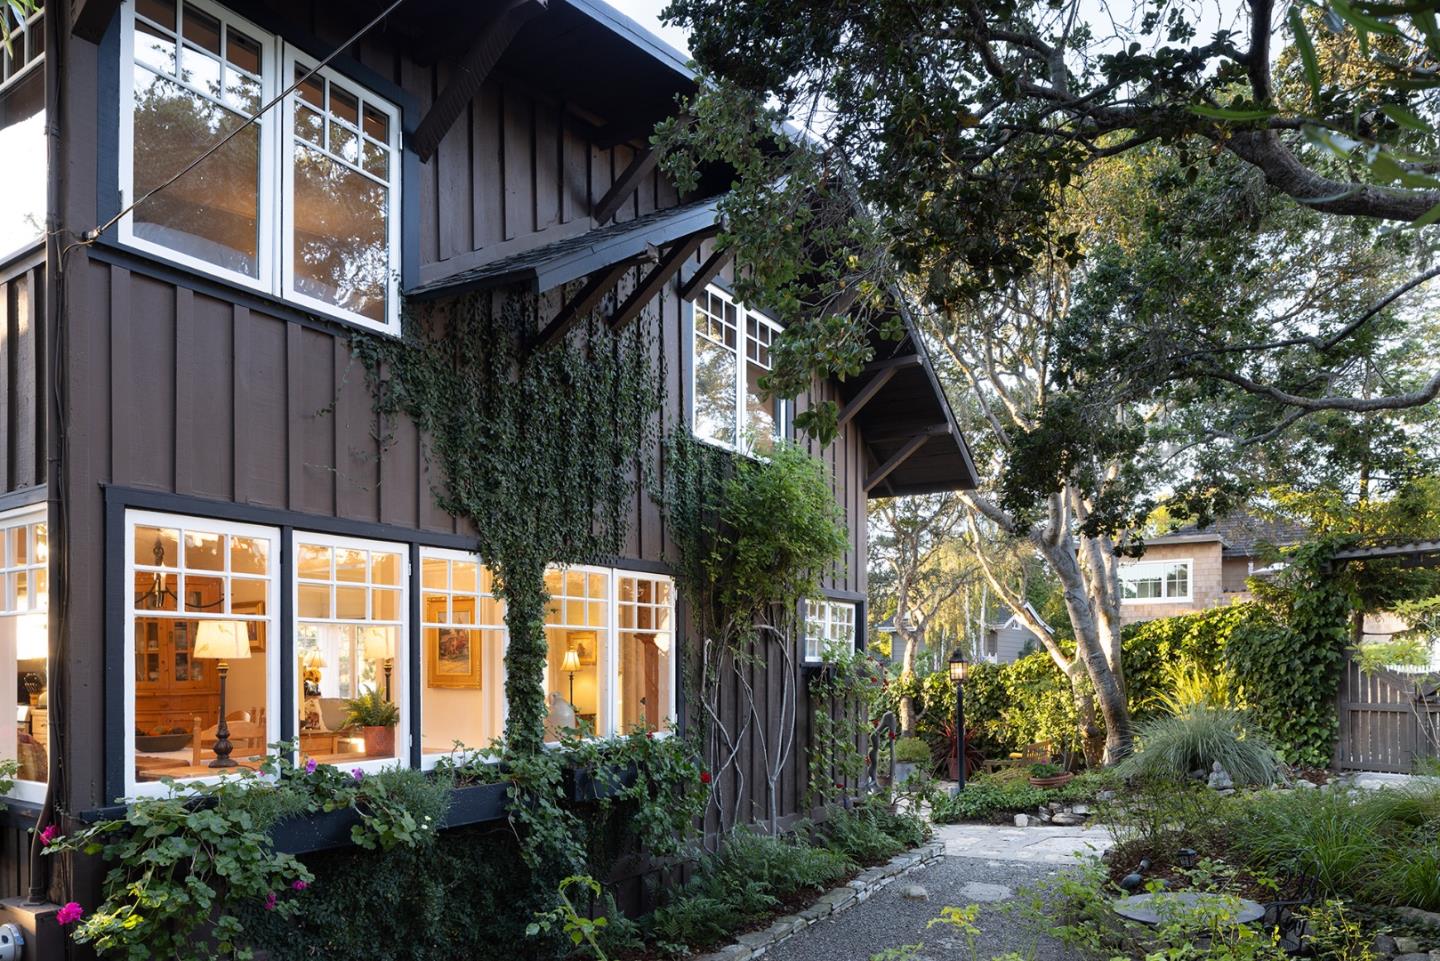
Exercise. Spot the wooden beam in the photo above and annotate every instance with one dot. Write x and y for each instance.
(651, 283)
(581, 304)
(625, 185)
(89, 19)
(867, 394)
(708, 271)
(471, 72)
(876, 436)
(892, 363)
(902, 455)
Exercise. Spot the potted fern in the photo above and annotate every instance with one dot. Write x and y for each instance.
(376, 718)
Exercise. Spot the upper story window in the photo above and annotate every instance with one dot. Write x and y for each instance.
(302, 204)
(731, 352)
(828, 624)
(1151, 582)
(22, 132)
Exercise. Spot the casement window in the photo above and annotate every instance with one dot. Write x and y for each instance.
(202, 620)
(731, 347)
(610, 667)
(829, 625)
(351, 641)
(24, 601)
(22, 132)
(303, 204)
(1155, 582)
(462, 661)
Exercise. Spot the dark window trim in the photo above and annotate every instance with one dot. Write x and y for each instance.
(23, 497)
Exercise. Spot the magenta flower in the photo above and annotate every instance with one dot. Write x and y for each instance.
(48, 835)
(270, 901)
(310, 766)
(70, 913)
(357, 774)
(298, 885)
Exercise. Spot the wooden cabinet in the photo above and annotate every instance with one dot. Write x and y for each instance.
(172, 687)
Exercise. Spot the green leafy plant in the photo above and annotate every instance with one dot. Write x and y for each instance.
(1041, 771)
(1172, 747)
(371, 709)
(983, 801)
(912, 750)
(580, 929)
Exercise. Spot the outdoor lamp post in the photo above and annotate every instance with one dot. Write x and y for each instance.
(958, 667)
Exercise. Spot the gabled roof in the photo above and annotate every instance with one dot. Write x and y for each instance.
(1014, 621)
(1240, 534)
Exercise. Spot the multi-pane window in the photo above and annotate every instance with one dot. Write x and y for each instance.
(463, 653)
(22, 131)
(24, 600)
(1155, 581)
(828, 625)
(732, 352)
(199, 635)
(350, 644)
(302, 203)
(577, 629)
(645, 627)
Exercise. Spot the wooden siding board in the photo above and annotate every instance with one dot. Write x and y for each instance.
(262, 407)
(518, 163)
(24, 422)
(487, 198)
(549, 166)
(145, 387)
(455, 173)
(204, 376)
(312, 423)
(357, 456)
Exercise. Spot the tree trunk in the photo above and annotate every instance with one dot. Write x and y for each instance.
(907, 717)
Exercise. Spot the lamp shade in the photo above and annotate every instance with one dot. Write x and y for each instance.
(958, 665)
(225, 640)
(378, 643)
(32, 637)
(571, 662)
(312, 660)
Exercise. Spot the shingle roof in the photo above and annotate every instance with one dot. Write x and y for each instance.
(1241, 535)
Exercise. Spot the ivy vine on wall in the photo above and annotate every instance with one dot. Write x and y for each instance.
(538, 449)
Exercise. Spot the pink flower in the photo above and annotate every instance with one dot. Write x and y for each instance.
(298, 885)
(48, 835)
(70, 913)
(310, 766)
(270, 901)
(357, 774)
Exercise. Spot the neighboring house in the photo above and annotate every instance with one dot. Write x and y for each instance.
(1009, 640)
(1192, 569)
(189, 439)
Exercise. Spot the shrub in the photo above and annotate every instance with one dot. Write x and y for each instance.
(912, 750)
(1172, 747)
(871, 832)
(986, 801)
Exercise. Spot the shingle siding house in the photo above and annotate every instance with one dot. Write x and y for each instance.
(192, 462)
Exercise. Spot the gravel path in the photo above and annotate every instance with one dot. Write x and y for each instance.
(889, 919)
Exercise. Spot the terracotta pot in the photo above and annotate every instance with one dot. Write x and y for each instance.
(379, 741)
(1059, 780)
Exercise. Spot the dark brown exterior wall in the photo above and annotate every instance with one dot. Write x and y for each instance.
(180, 385)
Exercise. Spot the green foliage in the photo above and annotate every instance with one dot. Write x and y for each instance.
(843, 696)
(580, 929)
(871, 832)
(1172, 747)
(988, 801)
(371, 709)
(501, 414)
(1009, 706)
(912, 750)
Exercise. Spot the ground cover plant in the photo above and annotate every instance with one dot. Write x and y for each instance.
(997, 798)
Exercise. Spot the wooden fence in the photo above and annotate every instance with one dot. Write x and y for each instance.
(1386, 722)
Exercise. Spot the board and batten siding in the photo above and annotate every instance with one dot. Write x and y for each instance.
(22, 370)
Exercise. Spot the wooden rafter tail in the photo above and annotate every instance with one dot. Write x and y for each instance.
(584, 301)
(625, 185)
(708, 271)
(651, 283)
(471, 73)
(906, 451)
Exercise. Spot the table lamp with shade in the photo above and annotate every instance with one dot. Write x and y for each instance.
(379, 645)
(570, 665)
(224, 641)
(32, 643)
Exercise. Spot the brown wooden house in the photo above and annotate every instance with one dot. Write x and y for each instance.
(192, 481)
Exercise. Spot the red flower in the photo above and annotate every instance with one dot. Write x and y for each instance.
(71, 912)
(705, 777)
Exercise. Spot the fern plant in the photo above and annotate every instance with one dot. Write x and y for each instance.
(371, 709)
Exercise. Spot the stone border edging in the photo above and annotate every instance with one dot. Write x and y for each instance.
(858, 889)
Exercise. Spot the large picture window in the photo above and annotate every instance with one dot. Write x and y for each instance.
(1151, 582)
(22, 132)
(199, 639)
(24, 639)
(462, 656)
(731, 353)
(303, 203)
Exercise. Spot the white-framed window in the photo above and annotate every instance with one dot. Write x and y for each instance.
(201, 633)
(303, 204)
(730, 352)
(611, 640)
(22, 132)
(462, 657)
(24, 639)
(351, 641)
(1155, 582)
(828, 624)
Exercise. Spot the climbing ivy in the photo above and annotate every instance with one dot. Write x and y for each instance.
(537, 447)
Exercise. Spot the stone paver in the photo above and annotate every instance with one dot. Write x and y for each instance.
(1035, 844)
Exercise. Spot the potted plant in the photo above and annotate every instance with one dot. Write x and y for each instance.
(1049, 775)
(909, 753)
(376, 718)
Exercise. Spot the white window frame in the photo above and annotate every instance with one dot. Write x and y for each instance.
(400, 675)
(22, 33)
(743, 444)
(276, 647)
(473, 751)
(820, 612)
(672, 659)
(24, 790)
(275, 210)
(1162, 568)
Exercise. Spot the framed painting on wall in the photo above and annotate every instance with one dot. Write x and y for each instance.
(453, 657)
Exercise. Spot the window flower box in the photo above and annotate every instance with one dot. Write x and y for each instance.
(474, 804)
(585, 784)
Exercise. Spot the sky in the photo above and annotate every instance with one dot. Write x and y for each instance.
(647, 14)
